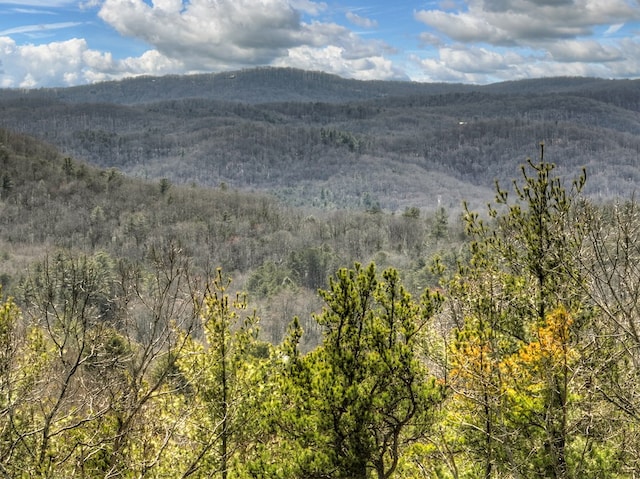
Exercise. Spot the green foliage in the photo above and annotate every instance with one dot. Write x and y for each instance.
(269, 279)
(411, 212)
(223, 372)
(165, 184)
(311, 266)
(121, 357)
(517, 358)
(9, 346)
(440, 228)
(366, 393)
(537, 232)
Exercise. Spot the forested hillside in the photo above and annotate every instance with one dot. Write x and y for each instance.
(49, 202)
(127, 348)
(285, 283)
(319, 140)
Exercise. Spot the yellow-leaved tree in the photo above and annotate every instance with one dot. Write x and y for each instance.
(521, 405)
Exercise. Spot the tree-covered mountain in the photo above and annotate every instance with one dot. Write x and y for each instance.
(270, 85)
(259, 85)
(499, 343)
(315, 139)
(280, 254)
(127, 351)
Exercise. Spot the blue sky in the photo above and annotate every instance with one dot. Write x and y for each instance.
(47, 43)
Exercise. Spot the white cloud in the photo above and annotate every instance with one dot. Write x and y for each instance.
(70, 63)
(53, 60)
(470, 65)
(566, 58)
(433, 70)
(473, 60)
(309, 7)
(150, 62)
(32, 11)
(462, 27)
(491, 40)
(197, 36)
(613, 29)
(589, 51)
(429, 39)
(206, 34)
(232, 33)
(361, 21)
(332, 59)
(87, 4)
(461, 40)
(510, 22)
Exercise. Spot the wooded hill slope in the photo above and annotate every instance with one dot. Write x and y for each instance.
(125, 351)
(279, 254)
(316, 139)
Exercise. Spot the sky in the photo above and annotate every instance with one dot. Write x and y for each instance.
(57, 43)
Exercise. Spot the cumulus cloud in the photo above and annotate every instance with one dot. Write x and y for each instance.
(475, 60)
(54, 60)
(589, 51)
(71, 62)
(196, 36)
(335, 49)
(511, 22)
(470, 64)
(462, 27)
(459, 40)
(229, 33)
(488, 40)
(205, 34)
(333, 59)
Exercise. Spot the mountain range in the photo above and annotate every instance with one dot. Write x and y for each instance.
(315, 139)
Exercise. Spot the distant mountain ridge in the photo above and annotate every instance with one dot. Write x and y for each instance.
(265, 85)
(311, 138)
(260, 85)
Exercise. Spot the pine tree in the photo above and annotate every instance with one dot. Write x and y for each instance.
(523, 279)
(368, 389)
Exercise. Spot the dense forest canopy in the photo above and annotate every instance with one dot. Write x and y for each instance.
(318, 140)
(511, 354)
(281, 254)
(158, 328)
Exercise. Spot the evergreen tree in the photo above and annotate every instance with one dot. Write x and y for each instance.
(509, 307)
(224, 375)
(369, 394)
